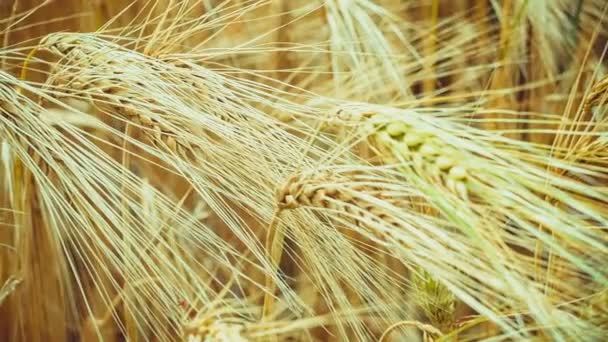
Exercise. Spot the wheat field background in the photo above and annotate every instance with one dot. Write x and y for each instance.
(289, 170)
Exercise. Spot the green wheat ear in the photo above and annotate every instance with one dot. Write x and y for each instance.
(435, 300)
(426, 154)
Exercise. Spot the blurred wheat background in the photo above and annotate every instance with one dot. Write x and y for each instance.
(323, 170)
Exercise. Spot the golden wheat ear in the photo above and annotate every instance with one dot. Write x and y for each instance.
(97, 226)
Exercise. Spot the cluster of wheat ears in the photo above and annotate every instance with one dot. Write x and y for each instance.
(290, 170)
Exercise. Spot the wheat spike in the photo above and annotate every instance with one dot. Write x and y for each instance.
(437, 302)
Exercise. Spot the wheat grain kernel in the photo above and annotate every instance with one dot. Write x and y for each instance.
(396, 128)
(413, 139)
(458, 173)
(444, 163)
(429, 150)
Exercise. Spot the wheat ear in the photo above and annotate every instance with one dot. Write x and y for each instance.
(597, 96)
